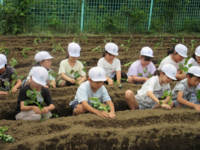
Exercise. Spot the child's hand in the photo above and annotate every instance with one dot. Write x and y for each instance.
(103, 114)
(73, 81)
(37, 110)
(3, 93)
(110, 82)
(165, 106)
(197, 107)
(45, 110)
(111, 115)
(14, 90)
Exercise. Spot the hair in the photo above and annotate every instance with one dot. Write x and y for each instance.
(104, 53)
(38, 63)
(146, 58)
(192, 75)
(171, 50)
(157, 73)
(194, 56)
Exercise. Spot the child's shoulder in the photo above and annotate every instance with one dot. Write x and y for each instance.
(64, 61)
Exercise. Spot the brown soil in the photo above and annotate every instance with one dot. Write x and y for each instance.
(140, 129)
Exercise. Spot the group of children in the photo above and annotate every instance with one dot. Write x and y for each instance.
(108, 70)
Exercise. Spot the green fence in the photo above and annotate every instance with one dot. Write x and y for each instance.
(114, 16)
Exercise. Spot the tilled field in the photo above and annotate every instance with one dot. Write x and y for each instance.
(140, 129)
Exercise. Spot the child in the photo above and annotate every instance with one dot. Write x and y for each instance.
(111, 65)
(152, 89)
(38, 78)
(176, 57)
(92, 88)
(6, 73)
(142, 69)
(195, 60)
(183, 90)
(69, 66)
(43, 59)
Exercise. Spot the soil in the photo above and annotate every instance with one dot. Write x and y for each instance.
(177, 128)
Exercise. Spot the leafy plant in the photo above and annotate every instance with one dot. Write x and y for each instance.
(129, 63)
(84, 63)
(146, 71)
(166, 93)
(142, 40)
(4, 50)
(98, 48)
(9, 85)
(33, 100)
(55, 46)
(5, 137)
(74, 40)
(77, 75)
(13, 62)
(108, 38)
(183, 68)
(174, 40)
(25, 50)
(193, 42)
(53, 74)
(128, 43)
(85, 37)
(98, 105)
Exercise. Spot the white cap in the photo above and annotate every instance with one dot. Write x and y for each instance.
(112, 48)
(39, 75)
(74, 49)
(181, 50)
(170, 71)
(97, 74)
(195, 70)
(197, 52)
(3, 60)
(42, 56)
(146, 51)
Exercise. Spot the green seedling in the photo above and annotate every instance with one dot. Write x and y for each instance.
(74, 40)
(161, 41)
(84, 63)
(13, 62)
(9, 85)
(85, 37)
(174, 40)
(107, 38)
(37, 40)
(77, 75)
(25, 50)
(139, 74)
(34, 95)
(98, 48)
(156, 46)
(53, 74)
(129, 63)
(5, 137)
(166, 93)
(55, 46)
(98, 105)
(142, 40)
(198, 95)
(193, 43)
(184, 67)
(127, 43)
(146, 71)
(4, 50)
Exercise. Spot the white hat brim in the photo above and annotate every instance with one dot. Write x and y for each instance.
(197, 54)
(171, 77)
(185, 56)
(99, 79)
(74, 55)
(38, 81)
(1, 66)
(116, 54)
(148, 55)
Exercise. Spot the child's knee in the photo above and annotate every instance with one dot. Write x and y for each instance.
(61, 83)
(128, 94)
(80, 109)
(130, 80)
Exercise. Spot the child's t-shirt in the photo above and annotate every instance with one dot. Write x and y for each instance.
(43, 94)
(154, 86)
(84, 92)
(50, 77)
(6, 76)
(169, 60)
(183, 86)
(110, 69)
(69, 71)
(136, 69)
(193, 62)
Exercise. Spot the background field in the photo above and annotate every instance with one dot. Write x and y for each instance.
(140, 129)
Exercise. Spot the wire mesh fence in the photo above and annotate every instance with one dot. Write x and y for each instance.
(114, 16)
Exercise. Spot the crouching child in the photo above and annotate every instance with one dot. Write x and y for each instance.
(182, 92)
(93, 88)
(38, 79)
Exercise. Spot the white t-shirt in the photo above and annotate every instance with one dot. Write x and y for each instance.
(50, 77)
(169, 60)
(66, 68)
(84, 92)
(154, 86)
(193, 62)
(110, 69)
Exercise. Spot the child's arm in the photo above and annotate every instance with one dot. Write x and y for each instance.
(179, 75)
(110, 81)
(154, 98)
(112, 109)
(87, 107)
(17, 85)
(53, 83)
(139, 79)
(48, 108)
(82, 79)
(118, 74)
(67, 78)
(181, 100)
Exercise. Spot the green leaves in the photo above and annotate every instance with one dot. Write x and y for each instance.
(166, 93)
(13, 62)
(98, 105)
(4, 137)
(129, 63)
(98, 48)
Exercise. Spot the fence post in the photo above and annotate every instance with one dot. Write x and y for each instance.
(2, 2)
(82, 14)
(150, 15)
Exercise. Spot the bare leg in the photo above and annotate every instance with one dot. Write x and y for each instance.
(61, 83)
(131, 100)
(79, 110)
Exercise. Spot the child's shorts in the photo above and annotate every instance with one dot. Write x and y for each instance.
(73, 106)
(193, 99)
(145, 105)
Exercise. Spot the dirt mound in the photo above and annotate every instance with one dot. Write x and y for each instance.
(140, 129)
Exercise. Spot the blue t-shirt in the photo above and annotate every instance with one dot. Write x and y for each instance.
(84, 92)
